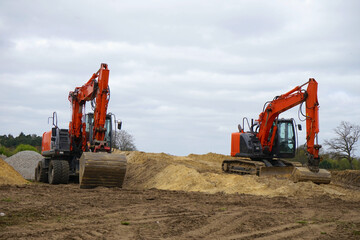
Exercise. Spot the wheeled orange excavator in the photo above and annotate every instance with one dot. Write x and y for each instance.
(270, 140)
(84, 150)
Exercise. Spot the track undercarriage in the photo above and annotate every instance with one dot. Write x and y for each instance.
(279, 167)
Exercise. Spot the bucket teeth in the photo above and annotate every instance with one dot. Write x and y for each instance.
(102, 169)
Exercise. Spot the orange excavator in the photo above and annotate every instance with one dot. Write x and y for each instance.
(84, 150)
(263, 149)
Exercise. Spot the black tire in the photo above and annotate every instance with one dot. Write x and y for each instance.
(55, 173)
(64, 172)
(41, 173)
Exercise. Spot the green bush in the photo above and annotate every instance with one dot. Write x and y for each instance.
(344, 164)
(326, 164)
(24, 147)
(5, 151)
(356, 164)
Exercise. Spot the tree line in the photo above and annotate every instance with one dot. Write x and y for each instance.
(9, 145)
(10, 141)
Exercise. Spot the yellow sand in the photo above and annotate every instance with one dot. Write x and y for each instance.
(202, 173)
(8, 175)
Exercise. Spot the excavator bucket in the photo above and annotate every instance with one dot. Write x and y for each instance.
(301, 174)
(102, 169)
(297, 174)
(282, 172)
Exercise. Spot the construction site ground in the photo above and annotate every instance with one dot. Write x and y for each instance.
(170, 197)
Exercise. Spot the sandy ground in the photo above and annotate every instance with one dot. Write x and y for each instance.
(170, 197)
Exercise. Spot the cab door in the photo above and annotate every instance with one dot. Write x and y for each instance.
(285, 139)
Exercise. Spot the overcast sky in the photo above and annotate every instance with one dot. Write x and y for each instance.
(183, 74)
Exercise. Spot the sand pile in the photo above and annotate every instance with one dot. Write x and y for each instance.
(25, 163)
(8, 175)
(347, 177)
(202, 173)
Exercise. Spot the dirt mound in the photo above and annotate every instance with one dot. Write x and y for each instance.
(213, 157)
(347, 177)
(8, 175)
(202, 173)
(25, 163)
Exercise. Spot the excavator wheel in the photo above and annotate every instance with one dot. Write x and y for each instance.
(64, 172)
(58, 172)
(54, 174)
(40, 173)
(102, 169)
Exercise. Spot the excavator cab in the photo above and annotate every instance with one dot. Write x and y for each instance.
(285, 143)
(246, 144)
(89, 121)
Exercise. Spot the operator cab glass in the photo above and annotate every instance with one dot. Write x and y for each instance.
(89, 121)
(108, 130)
(285, 142)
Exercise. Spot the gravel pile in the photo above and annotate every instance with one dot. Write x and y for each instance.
(25, 163)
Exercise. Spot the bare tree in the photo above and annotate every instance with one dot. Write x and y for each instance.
(344, 144)
(123, 141)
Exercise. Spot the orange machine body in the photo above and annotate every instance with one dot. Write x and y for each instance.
(235, 143)
(46, 141)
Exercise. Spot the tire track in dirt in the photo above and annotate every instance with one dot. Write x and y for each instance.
(286, 231)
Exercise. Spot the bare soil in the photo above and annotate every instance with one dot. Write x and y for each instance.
(41, 211)
(171, 197)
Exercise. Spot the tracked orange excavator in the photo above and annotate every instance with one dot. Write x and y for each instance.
(84, 150)
(270, 140)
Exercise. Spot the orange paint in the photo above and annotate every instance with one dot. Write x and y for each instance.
(46, 141)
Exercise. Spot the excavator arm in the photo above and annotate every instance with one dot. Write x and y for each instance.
(285, 102)
(96, 88)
